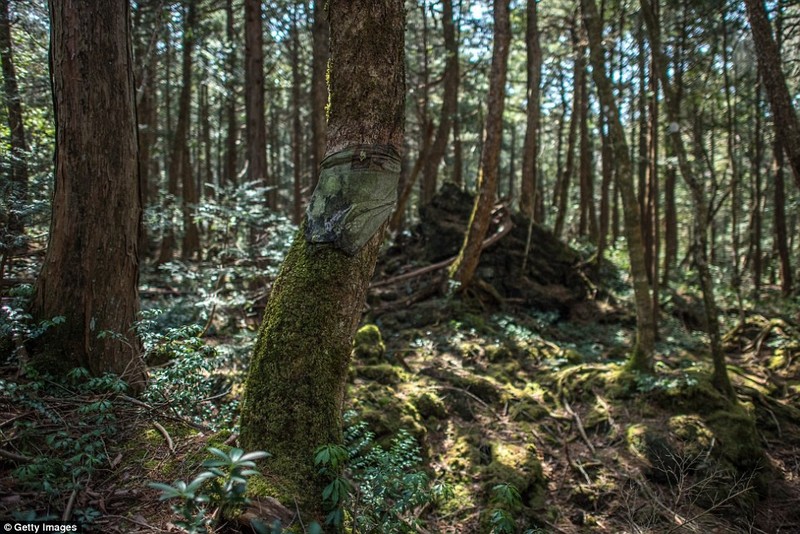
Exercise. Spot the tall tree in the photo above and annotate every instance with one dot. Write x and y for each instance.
(18, 167)
(90, 272)
(321, 36)
(254, 98)
(295, 390)
(565, 177)
(787, 128)
(180, 159)
(435, 155)
(642, 355)
(229, 171)
(720, 378)
(465, 265)
(297, 127)
(529, 190)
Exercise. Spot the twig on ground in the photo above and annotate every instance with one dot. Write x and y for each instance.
(170, 443)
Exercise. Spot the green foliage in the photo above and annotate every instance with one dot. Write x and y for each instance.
(186, 378)
(66, 458)
(379, 488)
(220, 489)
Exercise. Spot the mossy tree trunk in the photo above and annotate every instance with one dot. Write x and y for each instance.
(720, 379)
(90, 272)
(465, 265)
(642, 354)
(294, 393)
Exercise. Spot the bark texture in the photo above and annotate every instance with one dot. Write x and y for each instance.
(641, 356)
(787, 128)
(464, 267)
(90, 272)
(254, 98)
(295, 390)
(529, 189)
(18, 167)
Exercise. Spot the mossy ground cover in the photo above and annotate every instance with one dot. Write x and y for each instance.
(500, 396)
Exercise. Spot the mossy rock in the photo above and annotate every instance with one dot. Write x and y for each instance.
(692, 393)
(518, 465)
(368, 346)
(654, 448)
(737, 438)
(484, 388)
(528, 409)
(694, 434)
(430, 406)
(386, 413)
(382, 373)
(505, 351)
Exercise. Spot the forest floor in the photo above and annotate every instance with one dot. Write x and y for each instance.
(497, 389)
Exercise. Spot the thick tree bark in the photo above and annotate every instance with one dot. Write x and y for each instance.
(321, 36)
(91, 271)
(781, 233)
(530, 187)
(465, 265)
(18, 166)
(720, 378)
(787, 128)
(587, 223)
(430, 168)
(254, 99)
(295, 390)
(642, 355)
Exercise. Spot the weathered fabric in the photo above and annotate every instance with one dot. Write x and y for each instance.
(355, 195)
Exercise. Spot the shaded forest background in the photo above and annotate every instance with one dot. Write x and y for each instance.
(529, 397)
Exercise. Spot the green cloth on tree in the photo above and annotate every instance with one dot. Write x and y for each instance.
(356, 194)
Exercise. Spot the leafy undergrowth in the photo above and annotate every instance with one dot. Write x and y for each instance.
(508, 420)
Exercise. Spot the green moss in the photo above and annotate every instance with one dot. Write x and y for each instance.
(779, 360)
(517, 465)
(737, 437)
(695, 436)
(383, 373)
(528, 409)
(368, 346)
(430, 406)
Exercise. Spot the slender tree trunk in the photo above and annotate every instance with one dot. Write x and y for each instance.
(18, 166)
(254, 100)
(232, 127)
(321, 36)
(781, 237)
(294, 393)
(297, 127)
(587, 223)
(530, 187)
(430, 168)
(90, 272)
(756, 222)
(569, 169)
(167, 247)
(787, 128)
(642, 355)
(180, 163)
(465, 265)
(720, 377)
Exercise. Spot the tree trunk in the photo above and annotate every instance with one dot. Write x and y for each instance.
(431, 164)
(229, 173)
(787, 128)
(91, 271)
(530, 187)
(569, 169)
(180, 162)
(295, 390)
(587, 224)
(167, 247)
(465, 265)
(321, 36)
(297, 134)
(642, 355)
(18, 167)
(720, 377)
(254, 100)
(781, 238)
